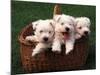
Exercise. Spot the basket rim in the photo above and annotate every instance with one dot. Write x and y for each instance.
(21, 38)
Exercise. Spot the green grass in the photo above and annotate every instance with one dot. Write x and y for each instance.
(25, 12)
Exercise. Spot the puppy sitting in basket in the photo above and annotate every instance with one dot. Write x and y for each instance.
(64, 33)
(82, 27)
(44, 34)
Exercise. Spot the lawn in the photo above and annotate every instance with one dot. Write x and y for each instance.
(22, 13)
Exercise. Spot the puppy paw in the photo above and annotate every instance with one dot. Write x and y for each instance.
(29, 38)
(34, 52)
(69, 49)
(77, 36)
(55, 49)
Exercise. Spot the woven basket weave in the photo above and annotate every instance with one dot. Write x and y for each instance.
(48, 60)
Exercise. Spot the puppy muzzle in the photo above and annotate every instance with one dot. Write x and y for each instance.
(67, 29)
(45, 39)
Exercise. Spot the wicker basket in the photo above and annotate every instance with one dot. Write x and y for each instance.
(48, 60)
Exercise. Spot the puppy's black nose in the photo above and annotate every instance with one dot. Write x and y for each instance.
(86, 32)
(67, 29)
(45, 39)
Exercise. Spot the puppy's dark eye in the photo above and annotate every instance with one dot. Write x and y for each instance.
(70, 24)
(41, 31)
(80, 27)
(62, 23)
(49, 32)
(88, 26)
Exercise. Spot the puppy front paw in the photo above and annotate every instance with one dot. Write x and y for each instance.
(34, 52)
(69, 49)
(29, 38)
(56, 49)
(77, 36)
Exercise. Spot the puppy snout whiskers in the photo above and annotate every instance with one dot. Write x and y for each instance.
(67, 29)
(45, 38)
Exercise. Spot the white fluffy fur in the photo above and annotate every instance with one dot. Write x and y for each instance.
(43, 29)
(63, 21)
(82, 25)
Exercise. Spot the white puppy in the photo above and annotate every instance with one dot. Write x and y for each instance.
(64, 33)
(82, 27)
(44, 34)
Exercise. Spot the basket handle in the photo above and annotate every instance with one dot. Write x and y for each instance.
(57, 10)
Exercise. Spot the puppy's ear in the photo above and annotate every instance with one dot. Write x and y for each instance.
(35, 24)
(77, 20)
(56, 18)
(52, 23)
(88, 20)
(72, 20)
